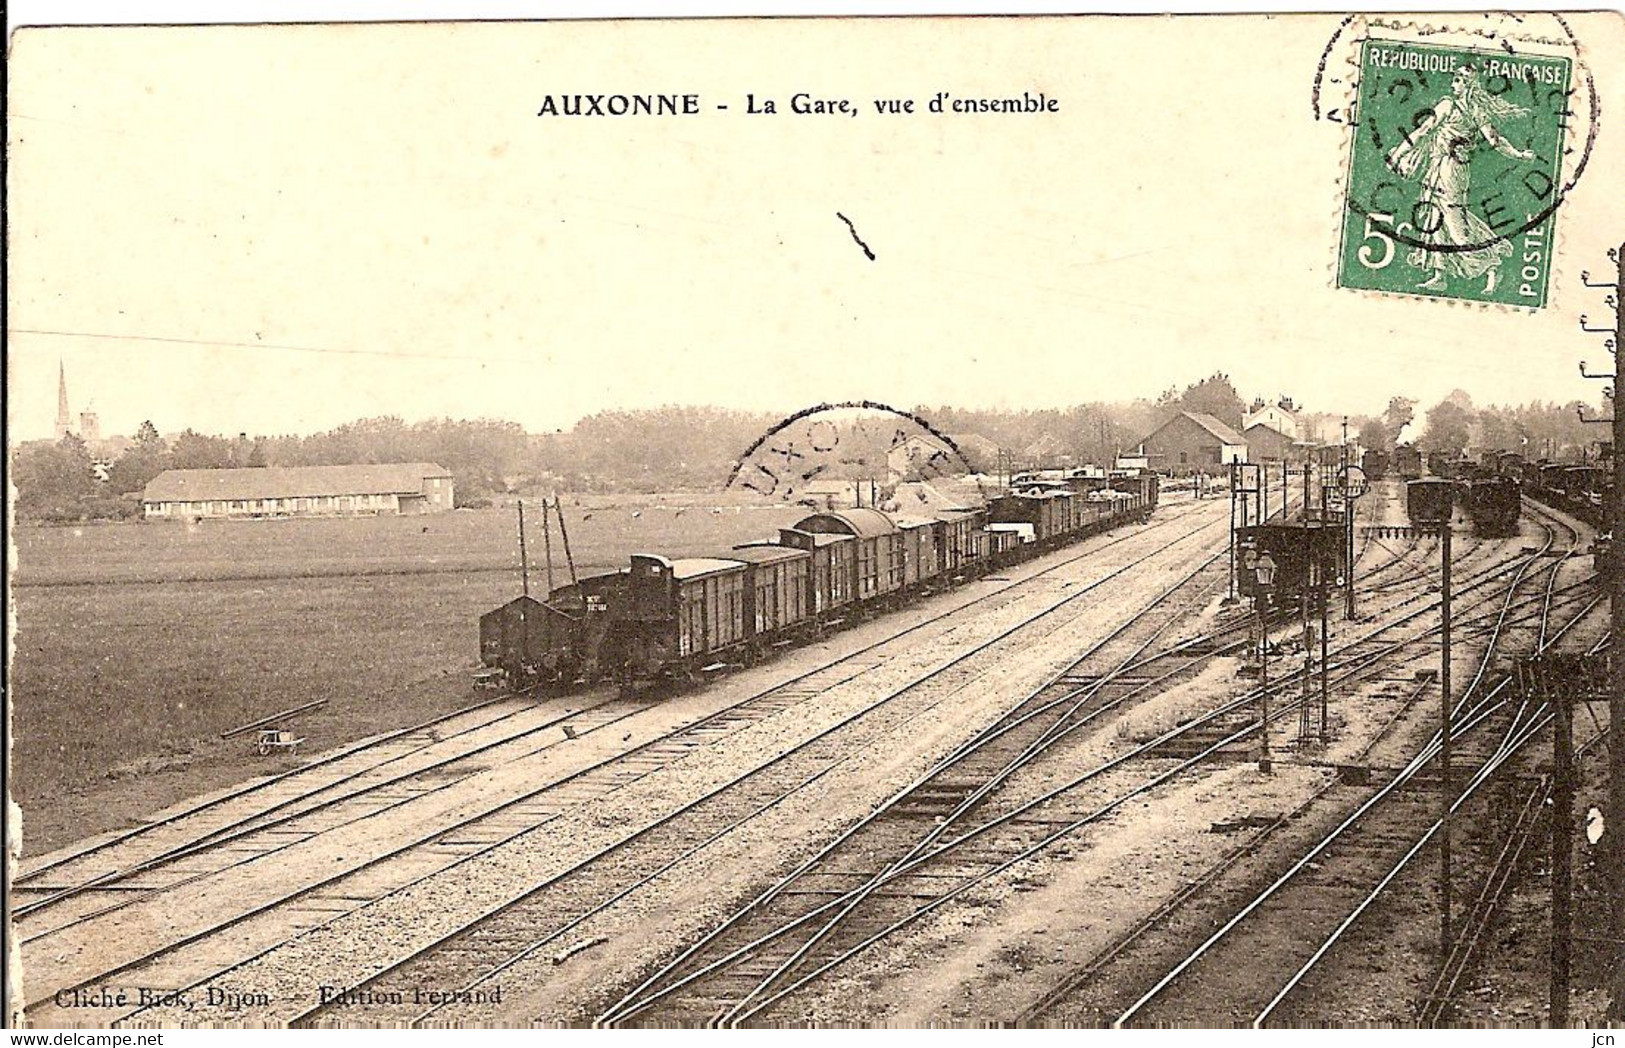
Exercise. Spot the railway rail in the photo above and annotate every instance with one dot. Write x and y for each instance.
(736, 717)
(1316, 891)
(471, 957)
(739, 985)
(178, 834)
(375, 790)
(961, 823)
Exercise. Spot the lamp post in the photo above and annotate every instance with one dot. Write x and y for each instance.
(1263, 569)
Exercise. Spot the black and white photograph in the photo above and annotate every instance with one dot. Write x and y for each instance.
(1098, 521)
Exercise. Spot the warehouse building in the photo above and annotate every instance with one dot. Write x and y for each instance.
(1193, 442)
(299, 491)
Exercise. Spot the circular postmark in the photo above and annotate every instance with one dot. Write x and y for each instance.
(1466, 137)
(850, 442)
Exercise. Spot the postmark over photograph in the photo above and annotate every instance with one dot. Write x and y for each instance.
(830, 448)
(1453, 186)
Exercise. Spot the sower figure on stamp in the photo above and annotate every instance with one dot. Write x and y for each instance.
(1440, 152)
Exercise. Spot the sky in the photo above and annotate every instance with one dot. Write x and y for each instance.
(281, 229)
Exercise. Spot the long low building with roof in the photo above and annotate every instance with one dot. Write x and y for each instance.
(299, 491)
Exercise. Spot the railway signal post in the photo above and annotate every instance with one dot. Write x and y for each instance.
(1351, 482)
(1262, 568)
(1230, 594)
(1559, 681)
(1444, 741)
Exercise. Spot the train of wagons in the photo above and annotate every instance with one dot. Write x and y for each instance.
(664, 620)
(1490, 489)
(1493, 504)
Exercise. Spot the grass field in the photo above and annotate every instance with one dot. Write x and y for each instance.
(138, 644)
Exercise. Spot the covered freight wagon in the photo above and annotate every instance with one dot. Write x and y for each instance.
(684, 615)
(879, 548)
(777, 601)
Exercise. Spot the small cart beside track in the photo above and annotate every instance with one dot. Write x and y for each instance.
(272, 740)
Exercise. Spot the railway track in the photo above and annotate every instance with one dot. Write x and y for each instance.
(1506, 858)
(1051, 1003)
(99, 864)
(472, 957)
(267, 793)
(313, 905)
(774, 947)
(1249, 969)
(107, 880)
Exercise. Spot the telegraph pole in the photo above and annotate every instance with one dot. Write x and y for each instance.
(524, 562)
(1614, 822)
(1445, 795)
(1562, 846)
(547, 547)
(1348, 522)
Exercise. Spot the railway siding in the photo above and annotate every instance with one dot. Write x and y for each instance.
(351, 947)
(1052, 575)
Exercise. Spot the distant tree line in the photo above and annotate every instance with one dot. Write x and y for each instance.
(1454, 426)
(694, 448)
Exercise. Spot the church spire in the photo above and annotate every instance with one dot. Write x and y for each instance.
(64, 421)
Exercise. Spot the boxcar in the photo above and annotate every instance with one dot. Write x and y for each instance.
(962, 540)
(776, 598)
(1430, 499)
(1005, 540)
(879, 568)
(921, 554)
(1494, 505)
(683, 614)
(1065, 514)
(830, 585)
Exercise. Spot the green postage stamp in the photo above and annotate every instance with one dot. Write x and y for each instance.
(1453, 183)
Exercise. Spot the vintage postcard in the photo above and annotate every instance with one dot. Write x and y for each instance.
(1025, 521)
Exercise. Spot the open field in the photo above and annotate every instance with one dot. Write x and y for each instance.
(138, 644)
(603, 530)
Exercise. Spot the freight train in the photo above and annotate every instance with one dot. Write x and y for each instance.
(678, 620)
(1491, 489)
(1584, 490)
(1494, 504)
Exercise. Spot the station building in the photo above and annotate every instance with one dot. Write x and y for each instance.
(299, 491)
